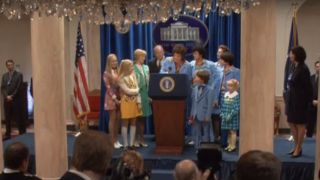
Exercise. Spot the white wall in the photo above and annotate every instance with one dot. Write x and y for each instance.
(15, 44)
(285, 12)
(309, 30)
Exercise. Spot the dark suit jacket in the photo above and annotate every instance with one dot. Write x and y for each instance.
(300, 94)
(153, 68)
(313, 109)
(314, 86)
(71, 176)
(17, 176)
(11, 87)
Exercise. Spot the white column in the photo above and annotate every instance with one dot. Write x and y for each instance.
(48, 65)
(258, 53)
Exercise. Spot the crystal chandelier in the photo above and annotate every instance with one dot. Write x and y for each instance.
(227, 7)
(121, 13)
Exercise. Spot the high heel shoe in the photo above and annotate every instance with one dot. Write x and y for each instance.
(298, 155)
(291, 152)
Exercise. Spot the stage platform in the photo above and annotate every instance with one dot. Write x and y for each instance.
(292, 169)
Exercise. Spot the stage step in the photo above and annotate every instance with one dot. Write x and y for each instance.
(158, 174)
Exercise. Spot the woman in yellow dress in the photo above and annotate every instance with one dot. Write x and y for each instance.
(130, 103)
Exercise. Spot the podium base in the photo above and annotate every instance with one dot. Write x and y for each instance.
(169, 126)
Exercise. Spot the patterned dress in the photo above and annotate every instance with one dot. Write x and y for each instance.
(230, 111)
(112, 90)
(130, 97)
(142, 74)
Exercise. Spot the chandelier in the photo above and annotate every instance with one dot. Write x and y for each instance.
(121, 13)
(227, 7)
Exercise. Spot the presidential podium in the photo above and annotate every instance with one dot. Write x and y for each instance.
(169, 93)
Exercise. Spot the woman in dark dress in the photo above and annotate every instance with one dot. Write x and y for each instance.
(299, 97)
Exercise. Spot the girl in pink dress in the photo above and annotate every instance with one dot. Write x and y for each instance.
(111, 101)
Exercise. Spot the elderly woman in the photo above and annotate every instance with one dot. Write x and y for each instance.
(298, 98)
(142, 73)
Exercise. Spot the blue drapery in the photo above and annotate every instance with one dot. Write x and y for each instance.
(222, 30)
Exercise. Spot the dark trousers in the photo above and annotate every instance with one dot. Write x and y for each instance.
(312, 122)
(12, 113)
(216, 124)
(224, 137)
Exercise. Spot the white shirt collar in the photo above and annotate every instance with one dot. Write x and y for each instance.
(82, 175)
(9, 171)
(232, 95)
(160, 61)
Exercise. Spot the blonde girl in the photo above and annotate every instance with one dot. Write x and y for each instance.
(130, 103)
(112, 97)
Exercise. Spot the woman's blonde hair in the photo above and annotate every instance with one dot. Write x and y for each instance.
(134, 160)
(124, 67)
(137, 53)
(234, 83)
(110, 57)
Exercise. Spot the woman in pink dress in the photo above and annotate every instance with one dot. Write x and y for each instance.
(111, 101)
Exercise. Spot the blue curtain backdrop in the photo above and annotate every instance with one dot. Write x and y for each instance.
(222, 30)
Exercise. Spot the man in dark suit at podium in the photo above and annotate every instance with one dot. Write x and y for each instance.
(11, 82)
(312, 120)
(156, 63)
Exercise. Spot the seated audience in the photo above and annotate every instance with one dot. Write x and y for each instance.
(92, 153)
(255, 165)
(188, 170)
(130, 166)
(16, 160)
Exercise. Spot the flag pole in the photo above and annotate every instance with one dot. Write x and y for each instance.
(295, 22)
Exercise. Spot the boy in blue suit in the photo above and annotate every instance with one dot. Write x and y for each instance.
(202, 98)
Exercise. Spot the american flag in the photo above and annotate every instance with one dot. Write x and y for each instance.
(81, 93)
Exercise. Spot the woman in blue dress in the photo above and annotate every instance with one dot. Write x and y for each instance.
(177, 63)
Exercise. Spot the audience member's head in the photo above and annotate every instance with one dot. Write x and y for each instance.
(158, 52)
(186, 170)
(16, 157)
(131, 166)
(298, 54)
(258, 165)
(92, 152)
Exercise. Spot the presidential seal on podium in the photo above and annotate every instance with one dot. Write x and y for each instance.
(167, 84)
